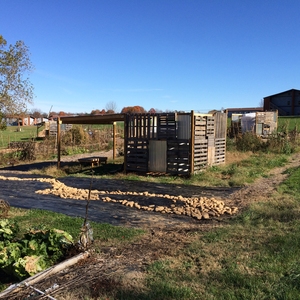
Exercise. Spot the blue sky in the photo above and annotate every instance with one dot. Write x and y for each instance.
(163, 54)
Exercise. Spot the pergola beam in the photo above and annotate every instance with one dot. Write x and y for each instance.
(109, 119)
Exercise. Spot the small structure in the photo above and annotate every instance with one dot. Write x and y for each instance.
(12, 120)
(174, 143)
(261, 123)
(25, 120)
(51, 128)
(171, 143)
(242, 110)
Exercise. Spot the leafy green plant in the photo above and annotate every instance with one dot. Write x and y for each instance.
(36, 250)
(10, 252)
(281, 143)
(29, 266)
(8, 230)
(250, 142)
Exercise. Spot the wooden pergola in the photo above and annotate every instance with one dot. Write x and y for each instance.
(172, 143)
(82, 120)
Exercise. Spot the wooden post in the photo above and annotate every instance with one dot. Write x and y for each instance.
(192, 142)
(114, 140)
(58, 142)
(225, 136)
(126, 121)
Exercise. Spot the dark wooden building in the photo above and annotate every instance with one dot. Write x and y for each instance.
(174, 143)
(286, 103)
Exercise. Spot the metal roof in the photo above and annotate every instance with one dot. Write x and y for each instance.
(244, 108)
(282, 93)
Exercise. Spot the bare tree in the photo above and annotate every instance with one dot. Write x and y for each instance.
(261, 103)
(111, 107)
(36, 113)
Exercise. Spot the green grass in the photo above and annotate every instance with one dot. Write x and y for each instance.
(236, 174)
(256, 256)
(102, 231)
(12, 135)
(230, 175)
(289, 122)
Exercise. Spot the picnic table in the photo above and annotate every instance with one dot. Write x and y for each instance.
(93, 160)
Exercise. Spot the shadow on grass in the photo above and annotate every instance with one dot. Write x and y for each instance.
(105, 169)
(68, 167)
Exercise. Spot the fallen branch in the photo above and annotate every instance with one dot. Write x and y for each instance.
(38, 277)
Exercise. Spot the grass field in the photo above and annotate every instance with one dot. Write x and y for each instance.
(289, 122)
(11, 134)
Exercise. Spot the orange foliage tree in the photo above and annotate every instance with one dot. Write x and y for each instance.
(97, 112)
(133, 110)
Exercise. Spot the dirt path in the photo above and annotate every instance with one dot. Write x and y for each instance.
(263, 188)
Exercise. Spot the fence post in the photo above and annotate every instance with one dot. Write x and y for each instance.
(114, 140)
(58, 142)
(192, 143)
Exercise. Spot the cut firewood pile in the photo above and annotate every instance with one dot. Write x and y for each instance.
(195, 207)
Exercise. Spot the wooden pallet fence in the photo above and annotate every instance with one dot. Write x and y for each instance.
(220, 125)
(139, 126)
(210, 150)
(200, 126)
(220, 150)
(210, 126)
(175, 143)
(51, 127)
(166, 126)
(137, 155)
(156, 126)
(200, 154)
(178, 154)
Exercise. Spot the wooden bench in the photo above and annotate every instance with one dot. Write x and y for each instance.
(93, 161)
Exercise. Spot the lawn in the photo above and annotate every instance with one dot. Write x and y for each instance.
(15, 133)
(289, 122)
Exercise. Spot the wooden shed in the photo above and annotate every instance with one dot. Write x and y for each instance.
(262, 123)
(174, 143)
(171, 143)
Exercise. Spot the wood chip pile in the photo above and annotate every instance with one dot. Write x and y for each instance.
(195, 207)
